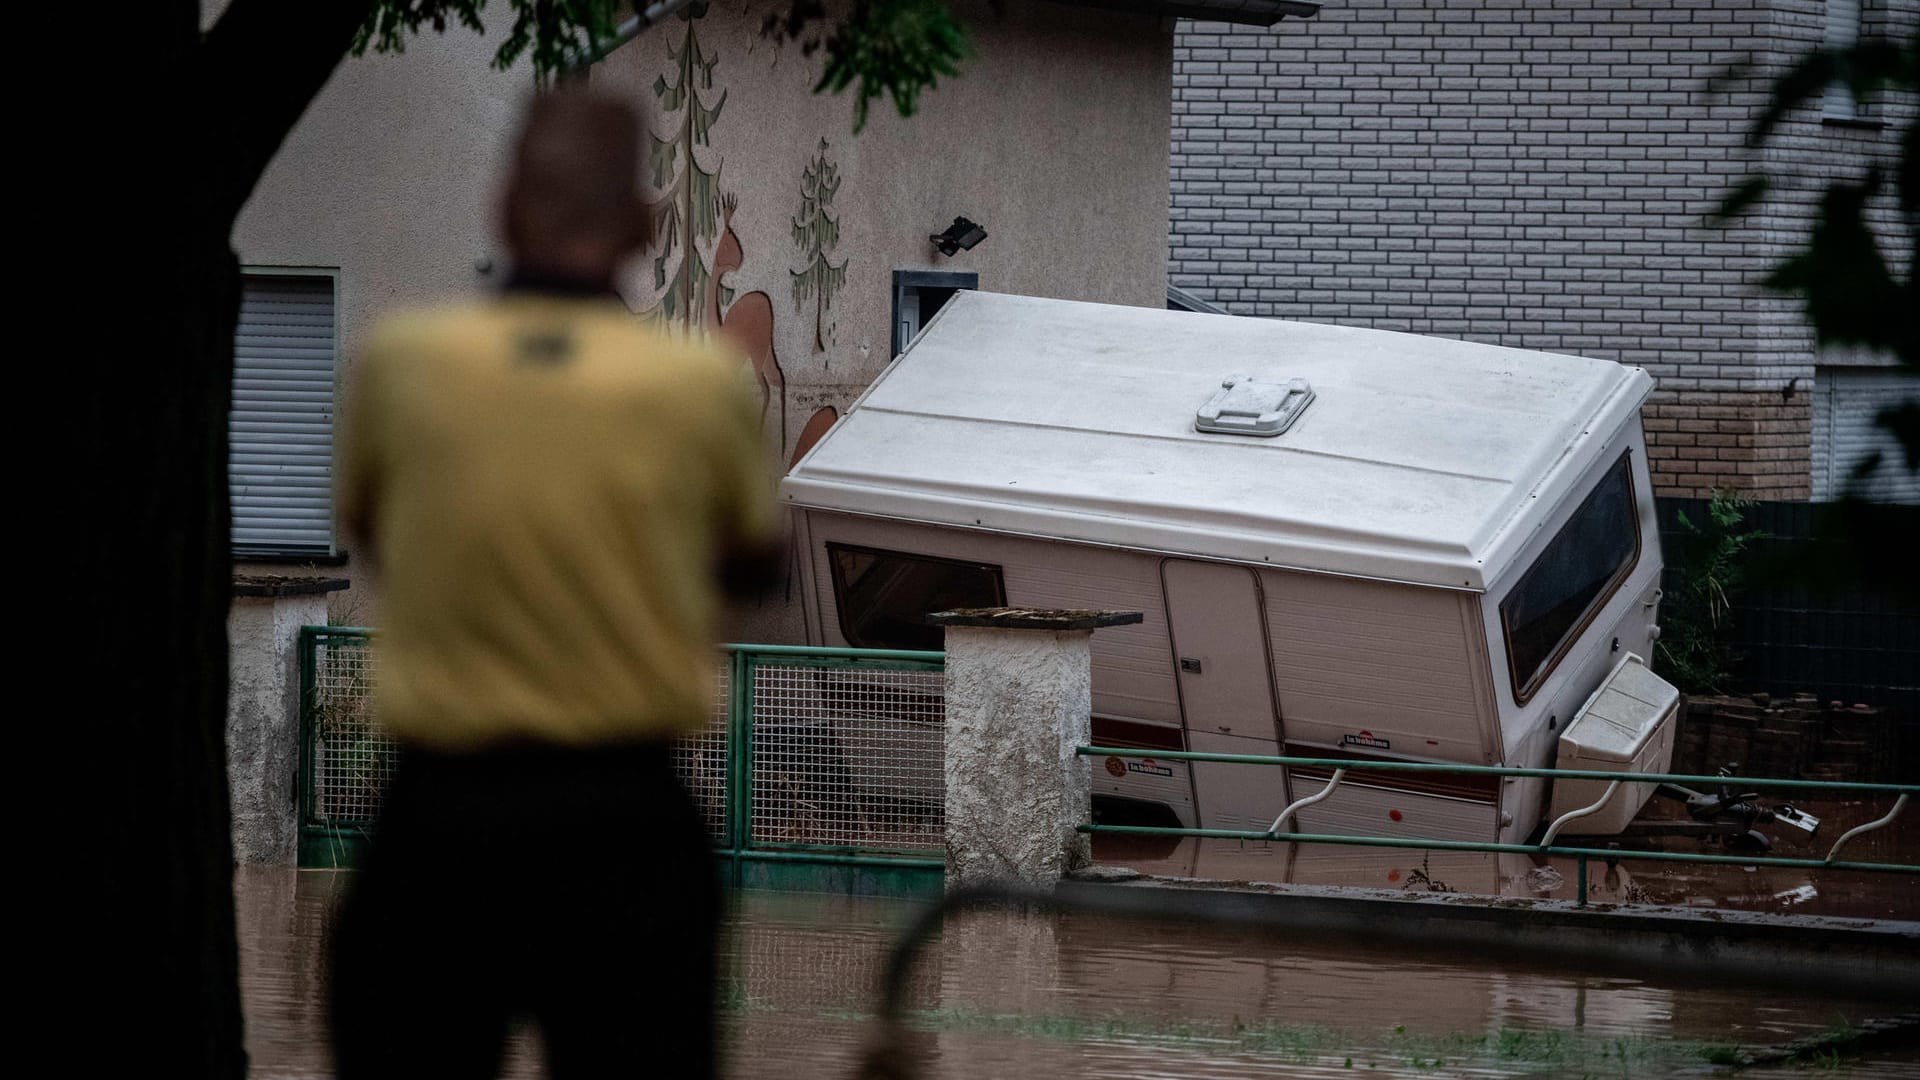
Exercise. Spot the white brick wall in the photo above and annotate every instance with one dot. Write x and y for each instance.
(1522, 172)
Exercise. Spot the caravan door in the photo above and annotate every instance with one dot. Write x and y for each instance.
(1226, 692)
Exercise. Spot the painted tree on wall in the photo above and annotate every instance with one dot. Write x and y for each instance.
(816, 232)
(689, 211)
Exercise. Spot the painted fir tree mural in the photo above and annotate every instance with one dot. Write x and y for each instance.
(689, 210)
(816, 232)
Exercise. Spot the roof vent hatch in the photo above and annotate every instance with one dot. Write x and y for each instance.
(1247, 406)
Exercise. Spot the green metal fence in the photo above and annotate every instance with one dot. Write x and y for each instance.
(819, 768)
(345, 761)
(833, 769)
(1901, 794)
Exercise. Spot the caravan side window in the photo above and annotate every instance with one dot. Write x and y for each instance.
(885, 597)
(1570, 581)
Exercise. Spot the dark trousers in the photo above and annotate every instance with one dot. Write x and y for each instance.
(572, 888)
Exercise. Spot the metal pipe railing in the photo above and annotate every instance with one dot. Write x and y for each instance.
(1493, 847)
(1689, 779)
(1899, 804)
(1588, 810)
(1546, 847)
(1301, 804)
(832, 652)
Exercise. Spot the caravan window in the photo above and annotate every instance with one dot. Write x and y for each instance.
(885, 597)
(1580, 568)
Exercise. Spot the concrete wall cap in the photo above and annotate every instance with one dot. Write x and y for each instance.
(1013, 618)
(285, 585)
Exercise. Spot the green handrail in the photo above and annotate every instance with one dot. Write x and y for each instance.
(1580, 855)
(835, 652)
(1495, 848)
(1370, 765)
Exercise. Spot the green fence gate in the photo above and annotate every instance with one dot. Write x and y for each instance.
(820, 769)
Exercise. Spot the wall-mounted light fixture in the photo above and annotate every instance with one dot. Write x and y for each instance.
(962, 235)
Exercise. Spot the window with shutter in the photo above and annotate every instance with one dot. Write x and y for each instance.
(1846, 405)
(1844, 22)
(280, 464)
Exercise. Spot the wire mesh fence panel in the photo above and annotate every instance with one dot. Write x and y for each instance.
(701, 760)
(844, 756)
(352, 759)
(847, 757)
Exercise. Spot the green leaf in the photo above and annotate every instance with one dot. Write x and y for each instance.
(1903, 420)
(892, 48)
(1849, 292)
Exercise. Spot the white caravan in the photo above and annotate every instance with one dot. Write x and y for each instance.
(1347, 544)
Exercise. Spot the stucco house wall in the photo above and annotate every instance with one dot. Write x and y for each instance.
(1055, 137)
(1532, 174)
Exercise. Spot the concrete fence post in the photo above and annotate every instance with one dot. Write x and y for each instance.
(1019, 692)
(263, 710)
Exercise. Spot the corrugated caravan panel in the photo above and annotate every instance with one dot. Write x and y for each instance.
(280, 465)
(1845, 404)
(1376, 667)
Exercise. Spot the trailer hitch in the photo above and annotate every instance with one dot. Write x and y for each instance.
(1735, 813)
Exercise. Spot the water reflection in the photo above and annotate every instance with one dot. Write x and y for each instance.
(1001, 994)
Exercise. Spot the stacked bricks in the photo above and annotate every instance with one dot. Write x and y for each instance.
(1703, 441)
(1796, 738)
(1528, 173)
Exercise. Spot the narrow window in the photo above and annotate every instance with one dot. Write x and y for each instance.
(918, 295)
(1843, 32)
(885, 597)
(1581, 567)
(280, 457)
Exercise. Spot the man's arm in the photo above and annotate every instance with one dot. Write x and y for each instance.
(751, 545)
(356, 468)
(748, 567)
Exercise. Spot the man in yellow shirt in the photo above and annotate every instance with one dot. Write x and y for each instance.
(553, 494)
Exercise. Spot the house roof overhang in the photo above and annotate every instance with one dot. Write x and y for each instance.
(1247, 12)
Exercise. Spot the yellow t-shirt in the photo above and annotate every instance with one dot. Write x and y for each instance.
(549, 484)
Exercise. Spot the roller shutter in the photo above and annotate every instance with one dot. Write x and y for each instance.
(1845, 403)
(280, 466)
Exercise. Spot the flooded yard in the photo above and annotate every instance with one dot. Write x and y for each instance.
(1005, 995)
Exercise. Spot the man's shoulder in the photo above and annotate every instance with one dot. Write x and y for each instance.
(648, 351)
(426, 328)
(607, 340)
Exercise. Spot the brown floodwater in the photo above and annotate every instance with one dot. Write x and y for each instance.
(1008, 995)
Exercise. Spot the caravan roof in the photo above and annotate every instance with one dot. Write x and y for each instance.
(1415, 459)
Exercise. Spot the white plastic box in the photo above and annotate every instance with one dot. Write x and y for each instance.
(1626, 726)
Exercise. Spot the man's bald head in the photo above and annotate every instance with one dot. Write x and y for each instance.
(572, 206)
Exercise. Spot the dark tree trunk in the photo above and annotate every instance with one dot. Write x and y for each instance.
(144, 301)
(162, 719)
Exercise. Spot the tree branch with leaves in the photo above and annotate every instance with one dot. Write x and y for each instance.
(1851, 294)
